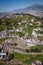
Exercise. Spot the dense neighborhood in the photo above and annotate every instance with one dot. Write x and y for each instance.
(21, 35)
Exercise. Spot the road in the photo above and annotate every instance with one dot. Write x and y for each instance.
(23, 52)
(20, 51)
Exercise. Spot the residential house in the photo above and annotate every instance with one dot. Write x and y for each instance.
(3, 53)
(36, 63)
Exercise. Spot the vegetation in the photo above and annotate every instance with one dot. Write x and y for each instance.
(28, 58)
(9, 23)
(37, 48)
(20, 56)
(40, 38)
(40, 32)
(27, 50)
(3, 39)
(11, 56)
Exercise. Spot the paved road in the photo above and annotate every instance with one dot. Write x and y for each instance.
(20, 51)
(35, 53)
(23, 52)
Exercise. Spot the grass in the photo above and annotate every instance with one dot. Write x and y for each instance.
(3, 39)
(28, 62)
(33, 58)
(40, 38)
(37, 48)
(28, 58)
(40, 32)
(20, 33)
(20, 56)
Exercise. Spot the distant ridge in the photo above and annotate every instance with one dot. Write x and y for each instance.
(34, 7)
(36, 10)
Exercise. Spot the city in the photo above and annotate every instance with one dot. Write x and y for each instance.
(21, 36)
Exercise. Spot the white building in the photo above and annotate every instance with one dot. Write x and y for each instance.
(29, 43)
(19, 23)
(3, 55)
(32, 20)
(36, 63)
(31, 24)
(34, 34)
(24, 21)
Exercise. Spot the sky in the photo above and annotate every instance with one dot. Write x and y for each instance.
(10, 5)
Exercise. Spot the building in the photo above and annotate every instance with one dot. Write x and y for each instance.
(3, 54)
(36, 63)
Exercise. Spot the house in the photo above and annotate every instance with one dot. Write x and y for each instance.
(24, 21)
(34, 34)
(31, 24)
(32, 20)
(39, 29)
(36, 29)
(21, 15)
(29, 43)
(2, 34)
(17, 30)
(34, 41)
(36, 63)
(21, 38)
(10, 32)
(19, 23)
(0, 45)
(8, 41)
(3, 54)
(33, 63)
(26, 35)
(39, 23)
(21, 29)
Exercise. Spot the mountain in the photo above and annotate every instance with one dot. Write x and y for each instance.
(27, 9)
(36, 10)
(34, 7)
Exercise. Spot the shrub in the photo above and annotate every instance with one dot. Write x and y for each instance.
(11, 56)
(27, 50)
